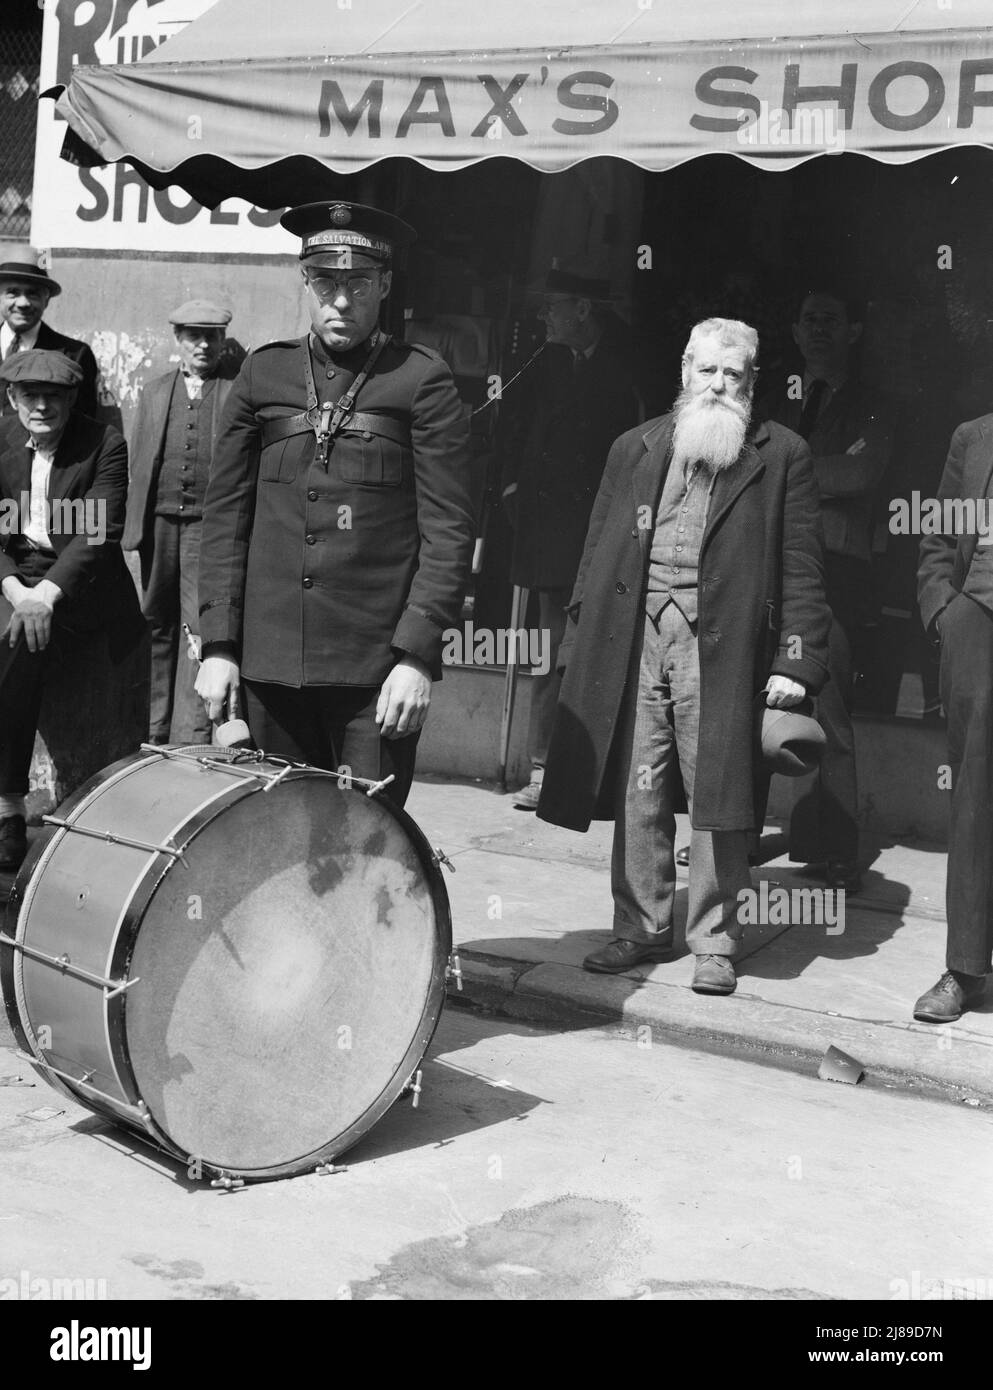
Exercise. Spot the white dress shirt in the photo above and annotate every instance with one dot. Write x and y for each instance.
(36, 526)
(7, 335)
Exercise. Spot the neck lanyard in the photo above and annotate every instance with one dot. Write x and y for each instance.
(332, 417)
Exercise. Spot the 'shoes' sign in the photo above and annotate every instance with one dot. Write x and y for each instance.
(112, 208)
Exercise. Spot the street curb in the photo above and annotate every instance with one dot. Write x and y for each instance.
(944, 1059)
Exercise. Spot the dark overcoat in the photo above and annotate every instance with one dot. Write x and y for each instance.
(945, 559)
(148, 436)
(555, 452)
(318, 575)
(761, 588)
(90, 465)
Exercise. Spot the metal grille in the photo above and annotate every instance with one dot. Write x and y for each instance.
(20, 59)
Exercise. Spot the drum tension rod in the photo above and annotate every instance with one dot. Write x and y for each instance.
(63, 963)
(227, 1184)
(112, 839)
(440, 857)
(453, 971)
(329, 1170)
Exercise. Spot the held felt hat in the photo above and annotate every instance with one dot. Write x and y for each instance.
(27, 273)
(43, 367)
(200, 313)
(791, 740)
(338, 235)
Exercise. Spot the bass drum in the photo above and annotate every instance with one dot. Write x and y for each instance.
(239, 959)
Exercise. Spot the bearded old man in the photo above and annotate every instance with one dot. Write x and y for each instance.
(701, 585)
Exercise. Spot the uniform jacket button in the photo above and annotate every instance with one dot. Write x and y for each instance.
(312, 496)
(308, 583)
(621, 587)
(311, 540)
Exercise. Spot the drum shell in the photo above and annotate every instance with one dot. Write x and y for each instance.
(82, 897)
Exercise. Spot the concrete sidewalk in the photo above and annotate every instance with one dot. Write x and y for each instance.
(530, 900)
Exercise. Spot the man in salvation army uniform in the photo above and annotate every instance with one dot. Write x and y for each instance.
(338, 527)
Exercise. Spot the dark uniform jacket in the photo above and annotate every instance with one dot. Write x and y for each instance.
(326, 577)
(555, 452)
(945, 559)
(761, 584)
(91, 463)
(148, 437)
(81, 354)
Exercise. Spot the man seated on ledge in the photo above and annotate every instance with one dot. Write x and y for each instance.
(63, 580)
(701, 585)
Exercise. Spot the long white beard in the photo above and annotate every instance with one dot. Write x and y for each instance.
(709, 430)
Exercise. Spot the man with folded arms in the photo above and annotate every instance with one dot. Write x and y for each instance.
(63, 580)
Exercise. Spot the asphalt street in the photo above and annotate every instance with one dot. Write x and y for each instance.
(584, 1163)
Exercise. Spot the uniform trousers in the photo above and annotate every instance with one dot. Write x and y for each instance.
(967, 695)
(658, 736)
(545, 689)
(330, 726)
(169, 599)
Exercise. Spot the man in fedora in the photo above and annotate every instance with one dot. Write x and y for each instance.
(573, 407)
(25, 292)
(63, 579)
(701, 584)
(172, 443)
(338, 528)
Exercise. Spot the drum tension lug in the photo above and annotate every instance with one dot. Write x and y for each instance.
(440, 857)
(328, 1170)
(453, 971)
(414, 1087)
(227, 1184)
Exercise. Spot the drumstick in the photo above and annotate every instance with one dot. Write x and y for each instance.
(233, 732)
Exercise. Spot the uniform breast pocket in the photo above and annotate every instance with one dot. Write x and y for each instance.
(279, 461)
(369, 460)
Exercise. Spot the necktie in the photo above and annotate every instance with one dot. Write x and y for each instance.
(808, 416)
(15, 346)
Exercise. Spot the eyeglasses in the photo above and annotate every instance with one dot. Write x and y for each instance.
(357, 287)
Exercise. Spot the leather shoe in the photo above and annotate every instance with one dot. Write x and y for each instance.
(618, 955)
(13, 843)
(526, 799)
(714, 975)
(950, 997)
(843, 873)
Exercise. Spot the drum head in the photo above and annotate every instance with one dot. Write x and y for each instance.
(286, 978)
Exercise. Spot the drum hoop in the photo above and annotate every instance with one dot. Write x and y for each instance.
(21, 895)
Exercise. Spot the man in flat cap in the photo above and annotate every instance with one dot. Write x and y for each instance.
(172, 443)
(25, 292)
(338, 527)
(578, 400)
(63, 579)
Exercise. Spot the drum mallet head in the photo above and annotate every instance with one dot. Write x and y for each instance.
(234, 732)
